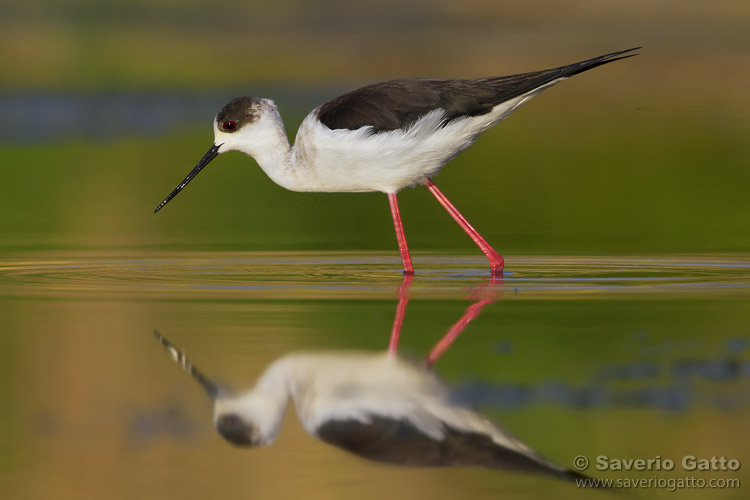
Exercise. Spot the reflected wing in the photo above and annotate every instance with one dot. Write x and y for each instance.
(400, 442)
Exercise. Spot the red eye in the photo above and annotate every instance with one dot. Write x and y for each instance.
(229, 125)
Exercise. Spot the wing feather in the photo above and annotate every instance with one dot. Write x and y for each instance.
(400, 442)
(397, 104)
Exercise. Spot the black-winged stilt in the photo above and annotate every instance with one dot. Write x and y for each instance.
(382, 137)
(372, 404)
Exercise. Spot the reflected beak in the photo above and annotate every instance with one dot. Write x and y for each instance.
(212, 153)
(208, 385)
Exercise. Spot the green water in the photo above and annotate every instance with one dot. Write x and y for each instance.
(628, 357)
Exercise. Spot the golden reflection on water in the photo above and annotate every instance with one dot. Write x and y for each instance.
(334, 276)
(93, 410)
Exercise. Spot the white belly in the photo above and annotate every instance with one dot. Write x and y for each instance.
(356, 160)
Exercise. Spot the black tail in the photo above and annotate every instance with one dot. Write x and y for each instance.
(580, 67)
(508, 87)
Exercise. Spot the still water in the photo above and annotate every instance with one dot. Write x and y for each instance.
(628, 358)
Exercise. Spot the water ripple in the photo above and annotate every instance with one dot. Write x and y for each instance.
(329, 275)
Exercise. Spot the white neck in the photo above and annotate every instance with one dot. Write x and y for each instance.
(266, 141)
(273, 153)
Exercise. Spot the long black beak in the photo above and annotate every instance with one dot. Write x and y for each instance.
(212, 153)
(208, 385)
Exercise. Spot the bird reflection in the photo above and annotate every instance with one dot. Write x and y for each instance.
(372, 404)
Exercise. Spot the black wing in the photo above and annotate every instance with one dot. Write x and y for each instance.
(400, 442)
(399, 103)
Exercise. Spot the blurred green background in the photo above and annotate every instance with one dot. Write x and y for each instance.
(107, 106)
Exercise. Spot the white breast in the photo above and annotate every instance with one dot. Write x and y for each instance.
(354, 386)
(344, 160)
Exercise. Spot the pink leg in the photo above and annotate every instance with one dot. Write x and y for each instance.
(496, 262)
(403, 248)
(471, 313)
(403, 299)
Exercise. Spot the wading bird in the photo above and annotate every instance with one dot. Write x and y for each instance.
(372, 404)
(382, 137)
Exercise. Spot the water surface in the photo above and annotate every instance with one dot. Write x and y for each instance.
(631, 357)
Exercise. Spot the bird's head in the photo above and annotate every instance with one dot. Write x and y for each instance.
(241, 125)
(246, 420)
